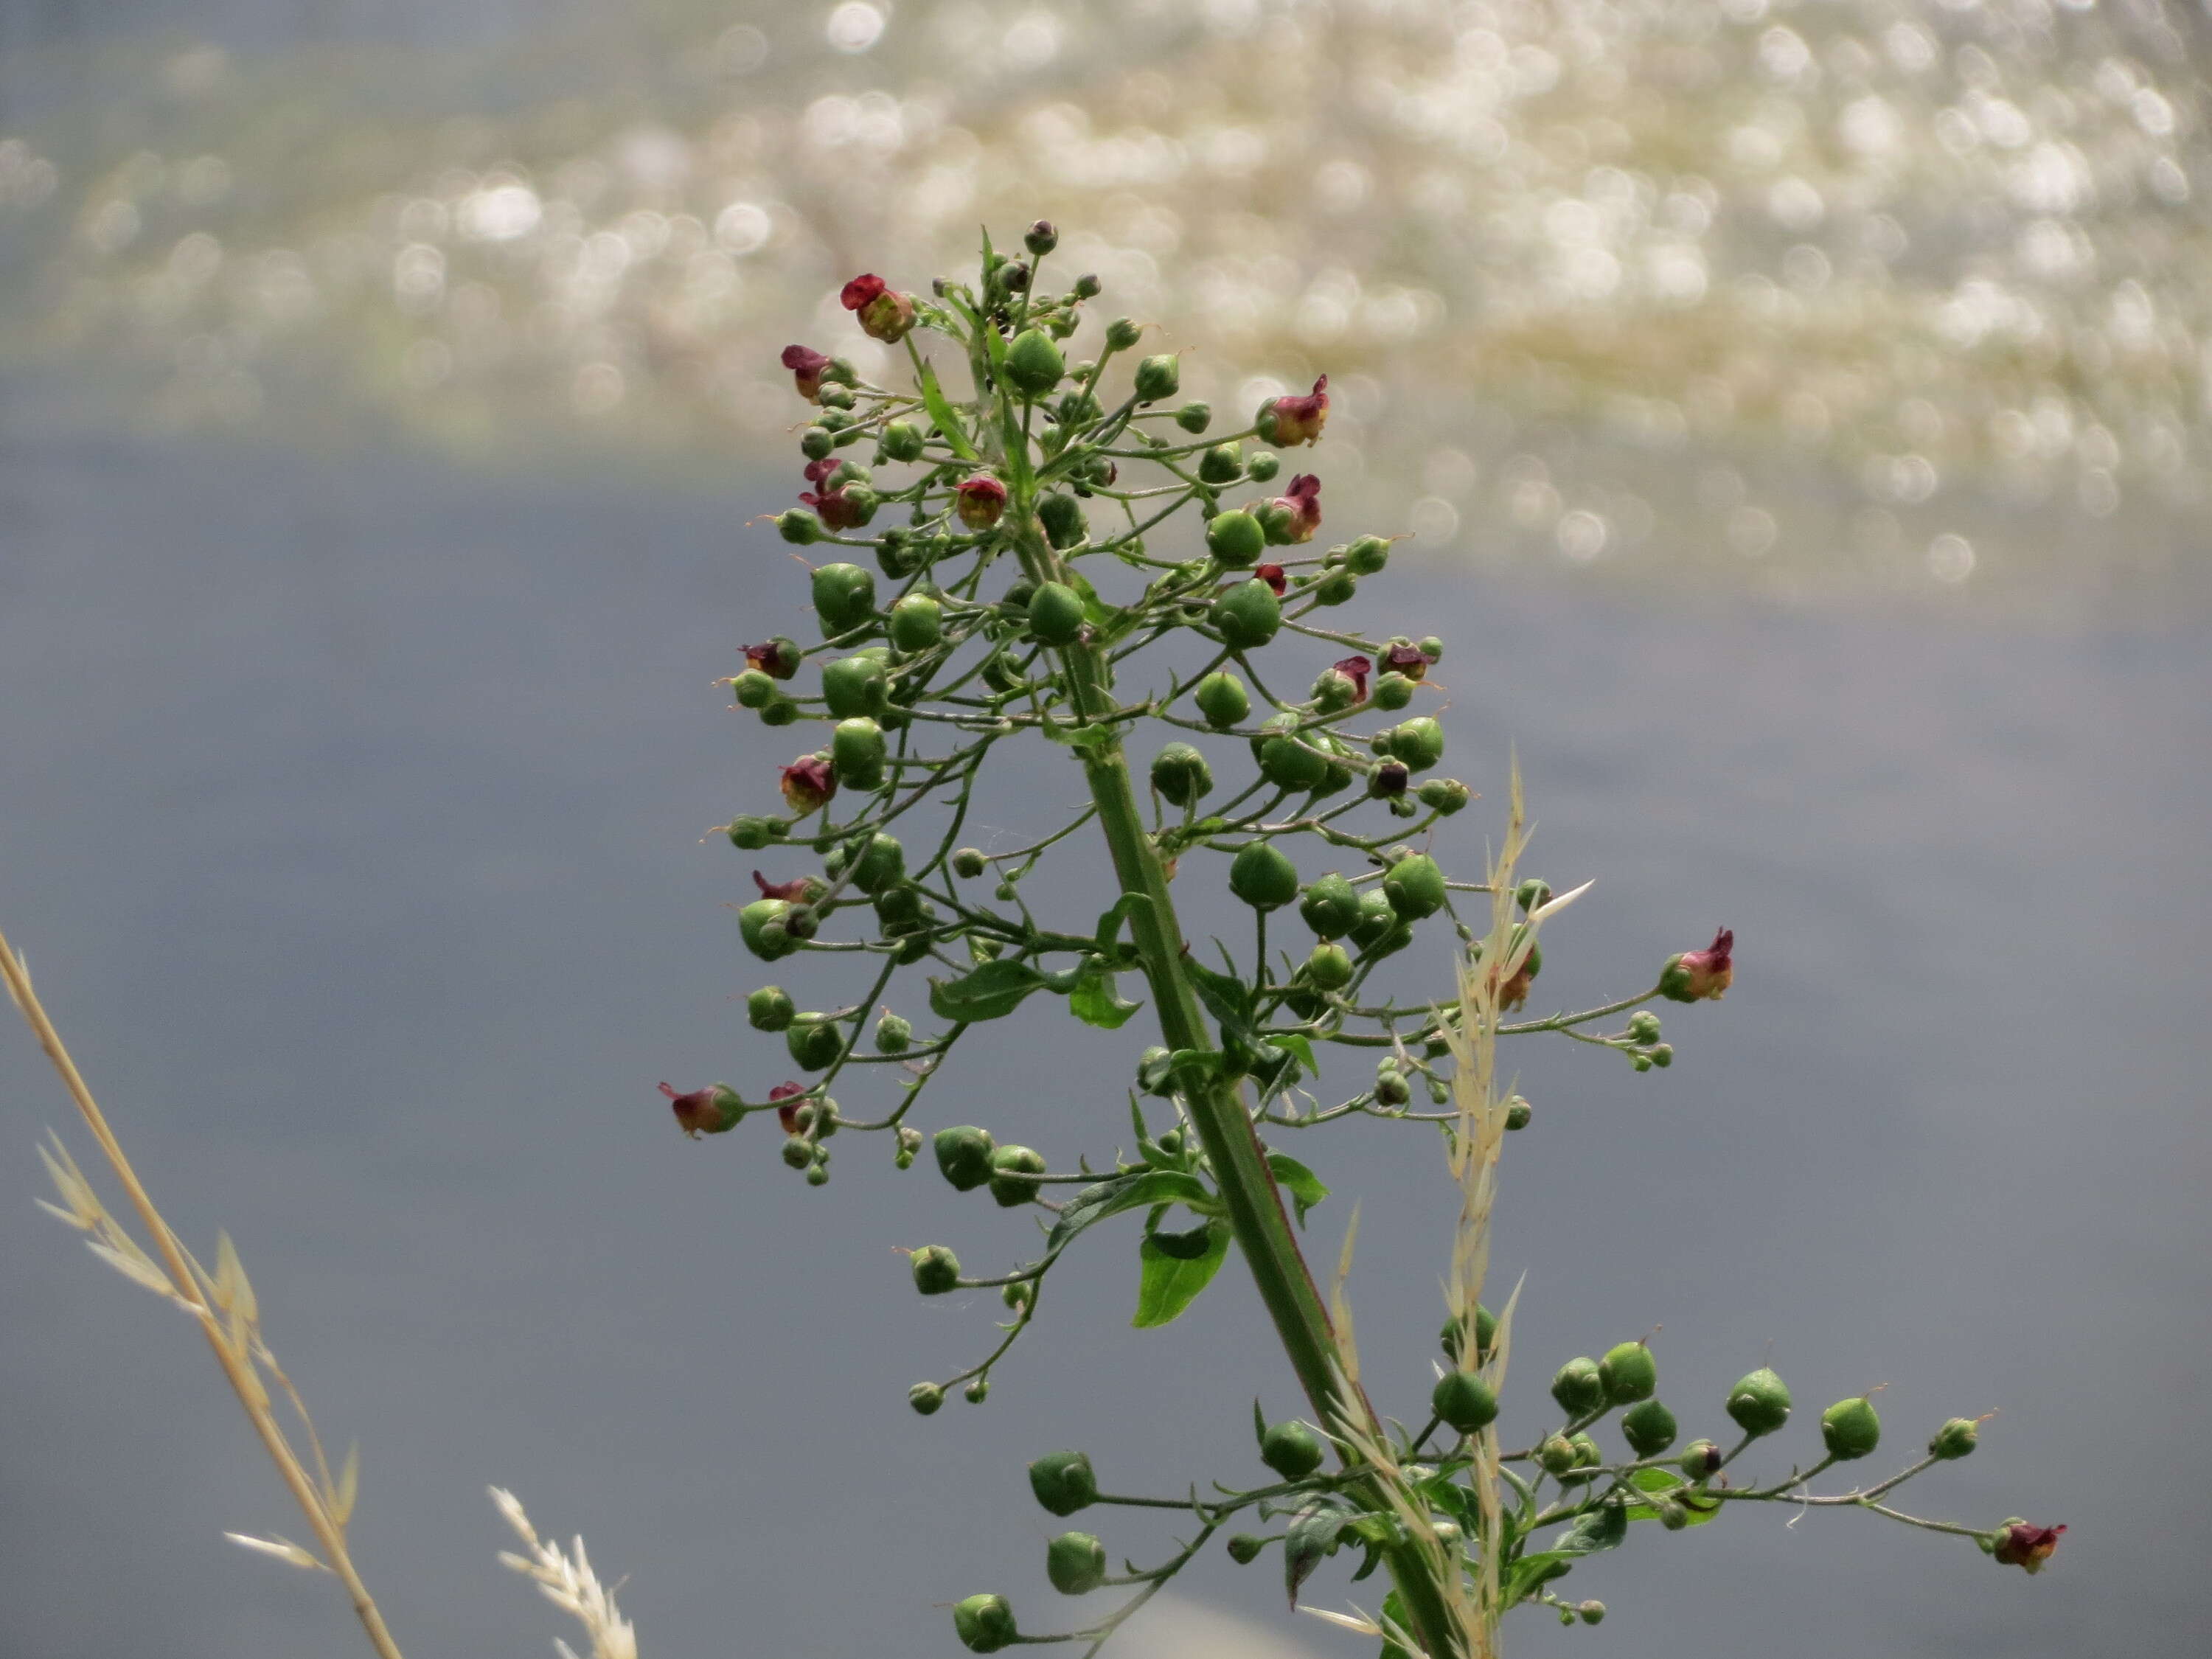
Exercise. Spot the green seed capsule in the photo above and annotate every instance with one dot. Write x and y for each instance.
(815, 442)
(798, 526)
(1517, 1113)
(1590, 1612)
(1464, 1402)
(1649, 1428)
(1180, 775)
(1330, 907)
(1367, 555)
(1291, 763)
(1292, 1449)
(814, 1042)
(881, 865)
(1432, 648)
(1393, 691)
(893, 1035)
(1760, 1402)
(844, 597)
(1851, 1428)
(1034, 365)
(762, 926)
(1329, 967)
(1335, 588)
(1578, 1387)
(751, 688)
(1450, 1337)
(1064, 524)
(925, 1398)
(1221, 697)
(1701, 1458)
(1075, 1561)
(1245, 1547)
(1012, 1170)
(752, 834)
(1263, 877)
(1415, 887)
(1055, 613)
(1444, 795)
(936, 1270)
(1956, 1438)
(1235, 540)
(1419, 742)
(969, 863)
(1223, 464)
(1379, 930)
(1158, 378)
(856, 753)
(1557, 1455)
(854, 686)
(798, 1152)
(1195, 416)
(1248, 616)
(1063, 1482)
(963, 1157)
(902, 441)
(1123, 332)
(917, 622)
(770, 1008)
(1260, 465)
(984, 1624)
(1629, 1372)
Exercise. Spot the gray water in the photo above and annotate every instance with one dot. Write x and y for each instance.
(351, 822)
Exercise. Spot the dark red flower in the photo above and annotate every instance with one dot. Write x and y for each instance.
(980, 500)
(1388, 780)
(1286, 420)
(818, 470)
(1273, 576)
(837, 508)
(706, 1111)
(808, 784)
(787, 1098)
(800, 890)
(884, 313)
(1701, 976)
(1356, 669)
(806, 367)
(2020, 1545)
(1407, 659)
(1301, 506)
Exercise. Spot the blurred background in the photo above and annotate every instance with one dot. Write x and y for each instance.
(1801, 413)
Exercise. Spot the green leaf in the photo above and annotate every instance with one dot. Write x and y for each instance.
(1298, 1043)
(992, 992)
(1109, 923)
(940, 413)
(1224, 997)
(1531, 1572)
(1303, 1186)
(1168, 1281)
(1659, 1481)
(1095, 1001)
(1138, 1189)
(1310, 1539)
(1394, 1613)
(1601, 1529)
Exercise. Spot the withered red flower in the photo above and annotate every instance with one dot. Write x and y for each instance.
(884, 313)
(808, 784)
(1356, 669)
(1273, 576)
(707, 1111)
(818, 470)
(778, 657)
(786, 1097)
(800, 890)
(1701, 976)
(806, 366)
(1301, 502)
(1407, 659)
(979, 500)
(1388, 780)
(837, 509)
(1288, 419)
(2020, 1545)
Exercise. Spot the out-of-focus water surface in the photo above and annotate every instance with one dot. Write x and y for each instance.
(386, 394)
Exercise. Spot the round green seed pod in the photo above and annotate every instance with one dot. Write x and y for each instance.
(1851, 1428)
(1393, 691)
(750, 834)
(1391, 1089)
(1245, 1547)
(1223, 464)
(1648, 1428)
(1431, 647)
(816, 443)
(978, 1391)
(1629, 1372)
(1701, 1458)
(882, 864)
(1557, 1456)
(1034, 365)
(1333, 690)
(1760, 1402)
(1055, 611)
(1673, 1513)
(1063, 1482)
(1335, 588)
(893, 1035)
(1123, 332)
(1578, 1387)
(917, 622)
(1261, 466)
(1248, 616)
(856, 753)
(1012, 1172)
(1289, 762)
(1590, 1612)
(1159, 378)
(1444, 795)
(1376, 921)
(1464, 1402)
(1263, 877)
(925, 1398)
(1329, 967)
(844, 596)
(969, 863)
(855, 686)
(762, 926)
(1588, 1453)
(782, 712)
(1518, 1113)
(1419, 742)
(814, 1042)
(1330, 907)
(751, 688)
(1221, 697)
(1292, 1449)
(1180, 775)
(1064, 526)
(1235, 540)
(1367, 555)
(1415, 887)
(1195, 416)
(1485, 1332)
(984, 1624)
(770, 1008)
(1075, 1561)
(798, 1152)
(798, 526)
(936, 1270)
(963, 1157)
(1956, 1438)
(902, 441)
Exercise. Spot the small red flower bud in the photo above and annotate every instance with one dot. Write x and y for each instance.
(818, 470)
(982, 499)
(2020, 1545)
(1701, 976)
(1287, 420)
(1301, 504)
(808, 784)
(837, 508)
(1273, 576)
(1357, 669)
(884, 313)
(1407, 659)
(801, 890)
(806, 367)
(778, 657)
(786, 1098)
(707, 1111)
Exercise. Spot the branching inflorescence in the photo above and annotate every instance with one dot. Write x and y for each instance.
(1026, 591)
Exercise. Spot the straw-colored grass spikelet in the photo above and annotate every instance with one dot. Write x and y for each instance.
(568, 1582)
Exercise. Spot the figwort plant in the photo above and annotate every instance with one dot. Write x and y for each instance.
(1030, 589)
